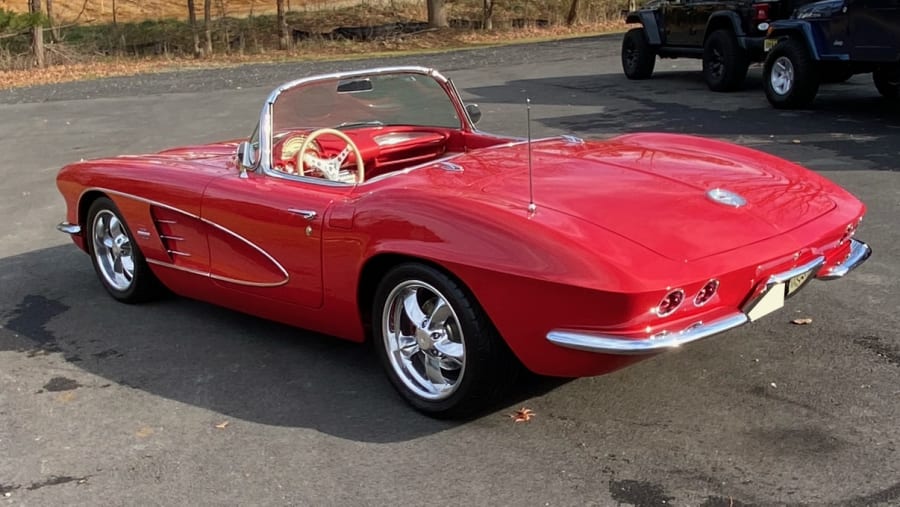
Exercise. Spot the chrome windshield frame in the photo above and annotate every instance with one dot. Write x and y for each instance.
(266, 133)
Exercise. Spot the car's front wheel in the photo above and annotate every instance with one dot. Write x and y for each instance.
(118, 261)
(789, 76)
(438, 346)
(887, 81)
(725, 63)
(638, 56)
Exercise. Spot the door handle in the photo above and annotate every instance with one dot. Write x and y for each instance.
(309, 215)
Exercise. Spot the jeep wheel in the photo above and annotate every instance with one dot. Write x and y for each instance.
(724, 62)
(638, 56)
(887, 82)
(789, 76)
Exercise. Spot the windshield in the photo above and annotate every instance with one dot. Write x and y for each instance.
(388, 99)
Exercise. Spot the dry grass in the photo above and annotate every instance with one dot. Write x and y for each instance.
(74, 63)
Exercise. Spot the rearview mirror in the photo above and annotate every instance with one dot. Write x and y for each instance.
(355, 86)
(474, 112)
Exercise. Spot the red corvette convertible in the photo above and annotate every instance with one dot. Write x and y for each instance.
(367, 205)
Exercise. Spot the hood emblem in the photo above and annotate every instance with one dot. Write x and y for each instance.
(726, 197)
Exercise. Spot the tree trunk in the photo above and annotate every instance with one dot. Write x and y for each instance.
(284, 41)
(437, 13)
(37, 33)
(115, 15)
(573, 13)
(207, 29)
(488, 22)
(192, 18)
(54, 30)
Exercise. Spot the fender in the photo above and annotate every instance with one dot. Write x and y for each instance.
(647, 18)
(725, 17)
(803, 30)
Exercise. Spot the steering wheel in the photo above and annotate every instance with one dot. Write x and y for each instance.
(331, 167)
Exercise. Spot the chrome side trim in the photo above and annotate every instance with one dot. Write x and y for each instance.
(620, 345)
(66, 227)
(235, 235)
(859, 252)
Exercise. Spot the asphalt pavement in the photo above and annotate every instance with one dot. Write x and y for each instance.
(182, 403)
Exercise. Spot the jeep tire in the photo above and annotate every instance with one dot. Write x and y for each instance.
(790, 75)
(725, 63)
(888, 82)
(638, 56)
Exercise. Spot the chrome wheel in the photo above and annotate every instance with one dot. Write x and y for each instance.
(112, 250)
(423, 340)
(781, 78)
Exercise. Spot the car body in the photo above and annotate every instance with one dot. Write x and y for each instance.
(462, 254)
(830, 41)
(727, 35)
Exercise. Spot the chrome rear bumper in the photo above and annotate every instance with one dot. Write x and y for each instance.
(620, 345)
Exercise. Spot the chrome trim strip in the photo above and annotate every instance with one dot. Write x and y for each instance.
(173, 238)
(859, 252)
(180, 254)
(204, 274)
(66, 227)
(621, 345)
(249, 243)
(166, 220)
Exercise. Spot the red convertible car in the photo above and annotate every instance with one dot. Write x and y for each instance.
(367, 205)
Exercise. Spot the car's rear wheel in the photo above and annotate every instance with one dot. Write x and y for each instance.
(118, 261)
(638, 56)
(887, 81)
(438, 346)
(724, 62)
(789, 76)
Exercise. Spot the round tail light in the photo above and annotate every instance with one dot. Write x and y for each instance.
(706, 293)
(670, 303)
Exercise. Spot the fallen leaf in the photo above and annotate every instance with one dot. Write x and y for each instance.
(222, 425)
(802, 322)
(144, 432)
(522, 415)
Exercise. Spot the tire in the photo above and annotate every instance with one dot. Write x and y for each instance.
(451, 365)
(887, 81)
(638, 56)
(789, 76)
(118, 261)
(725, 63)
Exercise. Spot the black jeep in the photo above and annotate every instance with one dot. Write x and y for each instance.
(727, 34)
(829, 41)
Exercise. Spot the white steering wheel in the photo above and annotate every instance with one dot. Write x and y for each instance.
(331, 167)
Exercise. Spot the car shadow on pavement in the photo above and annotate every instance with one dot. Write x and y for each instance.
(849, 119)
(198, 354)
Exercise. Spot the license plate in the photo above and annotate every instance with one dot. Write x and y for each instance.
(772, 300)
(768, 44)
(795, 283)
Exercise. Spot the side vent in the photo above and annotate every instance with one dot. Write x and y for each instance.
(172, 232)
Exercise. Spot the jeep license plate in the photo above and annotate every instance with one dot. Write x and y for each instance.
(768, 44)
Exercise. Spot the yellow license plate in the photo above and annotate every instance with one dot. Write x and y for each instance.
(795, 283)
(768, 44)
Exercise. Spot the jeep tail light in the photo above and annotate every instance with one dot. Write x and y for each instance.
(762, 11)
(670, 303)
(706, 293)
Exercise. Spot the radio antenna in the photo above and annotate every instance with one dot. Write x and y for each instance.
(531, 206)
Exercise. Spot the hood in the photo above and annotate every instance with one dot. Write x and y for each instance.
(821, 9)
(657, 189)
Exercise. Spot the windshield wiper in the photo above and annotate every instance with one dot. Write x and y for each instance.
(367, 123)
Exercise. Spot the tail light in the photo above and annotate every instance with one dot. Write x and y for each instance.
(706, 293)
(761, 12)
(670, 303)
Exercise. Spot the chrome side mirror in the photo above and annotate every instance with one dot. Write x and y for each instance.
(474, 112)
(246, 156)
